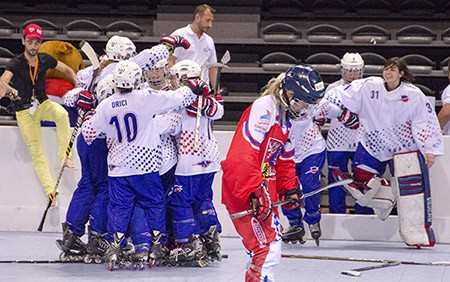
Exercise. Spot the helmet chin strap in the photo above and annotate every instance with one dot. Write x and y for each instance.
(286, 104)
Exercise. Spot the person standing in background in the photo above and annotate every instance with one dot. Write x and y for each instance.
(202, 50)
(26, 73)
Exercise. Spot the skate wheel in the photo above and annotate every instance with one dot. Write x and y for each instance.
(98, 260)
(87, 260)
(202, 263)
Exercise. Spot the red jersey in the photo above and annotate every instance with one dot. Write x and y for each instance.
(260, 150)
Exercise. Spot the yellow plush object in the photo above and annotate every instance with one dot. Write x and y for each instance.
(63, 52)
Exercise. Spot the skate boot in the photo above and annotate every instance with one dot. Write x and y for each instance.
(97, 246)
(140, 258)
(71, 246)
(114, 256)
(294, 234)
(211, 244)
(128, 251)
(158, 255)
(188, 254)
(315, 232)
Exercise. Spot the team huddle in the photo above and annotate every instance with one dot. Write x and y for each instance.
(145, 185)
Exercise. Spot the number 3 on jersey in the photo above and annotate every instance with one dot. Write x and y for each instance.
(130, 122)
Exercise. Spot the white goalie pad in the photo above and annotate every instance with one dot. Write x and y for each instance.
(412, 189)
(380, 196)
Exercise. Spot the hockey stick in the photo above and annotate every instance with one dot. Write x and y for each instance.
(58, 180)
(434, 263)
(356, 272)
(306, 195)
(32, 261)
(38, 261)
(223, 63)
(92, 56)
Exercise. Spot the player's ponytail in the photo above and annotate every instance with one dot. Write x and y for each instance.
(402, 67)
(273, 86)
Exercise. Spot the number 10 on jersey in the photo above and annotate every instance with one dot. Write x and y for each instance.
(130, 122)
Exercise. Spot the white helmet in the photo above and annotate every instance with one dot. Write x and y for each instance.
(105, 88)
(128, 49)
(352, 65)
(186, 69)
(119, 48)
(157, 75)
(127, 75)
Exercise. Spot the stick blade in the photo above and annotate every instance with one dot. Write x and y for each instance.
(351, 273)
(226, 58)
(90, 53)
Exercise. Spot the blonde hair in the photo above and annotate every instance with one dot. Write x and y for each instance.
(273, 86)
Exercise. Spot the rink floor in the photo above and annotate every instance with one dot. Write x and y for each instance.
(41, 246)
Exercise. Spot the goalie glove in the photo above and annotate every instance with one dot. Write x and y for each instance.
(295, 198)
(174, 41)
(261, 203)
(349, 119)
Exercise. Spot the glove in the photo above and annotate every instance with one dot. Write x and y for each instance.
(295, 196)
(349, 119)
(207, 103)
(198, 87)
(319, 121)
(85, 101)
(261, 203)
(174, 41)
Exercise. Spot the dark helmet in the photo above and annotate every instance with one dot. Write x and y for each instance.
(305, 82)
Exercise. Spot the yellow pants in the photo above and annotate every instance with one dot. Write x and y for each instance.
(30, 128)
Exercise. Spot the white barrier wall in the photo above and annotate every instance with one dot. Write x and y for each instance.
(22, 199)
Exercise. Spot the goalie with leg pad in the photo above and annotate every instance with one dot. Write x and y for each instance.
(408, 124)
(412, 190)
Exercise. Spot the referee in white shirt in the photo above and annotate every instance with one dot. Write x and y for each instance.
(202, 50)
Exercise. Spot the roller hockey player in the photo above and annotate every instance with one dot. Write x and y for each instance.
(407, 133)
(342, 141)
(153, 63)
(134, 155)
(190, 199)
(260, 152)
(309, 158)
(90, 198)
(117, 48)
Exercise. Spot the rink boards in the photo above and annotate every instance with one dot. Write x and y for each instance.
(23, 200)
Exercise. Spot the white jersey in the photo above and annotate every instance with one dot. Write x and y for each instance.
(202, 50)
(206, 158)
(394, 121)
(340, 138)
(169, 126)
(147, 58)
(85, 76)
(305, 135)
(446, 100)
(128, 122)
